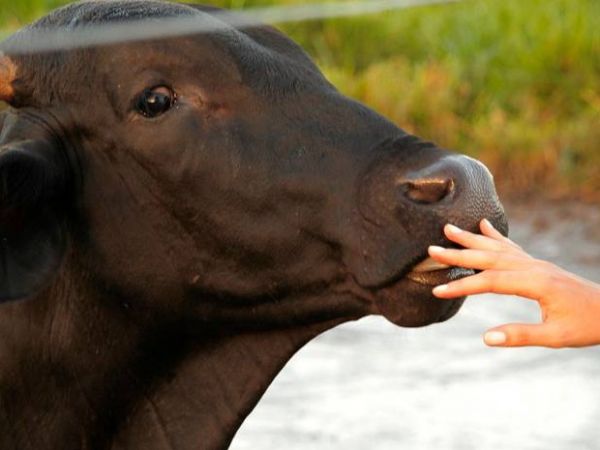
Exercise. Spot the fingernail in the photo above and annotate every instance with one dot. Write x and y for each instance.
(488, 223)
(436, 249)
(494, 338)
(440, 289)
(453, 229)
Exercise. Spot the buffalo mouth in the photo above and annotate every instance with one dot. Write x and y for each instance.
(407, 300)
(430, 272)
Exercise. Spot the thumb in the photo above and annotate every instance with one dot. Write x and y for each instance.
(521, 335)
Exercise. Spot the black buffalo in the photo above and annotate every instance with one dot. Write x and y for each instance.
(178, 216)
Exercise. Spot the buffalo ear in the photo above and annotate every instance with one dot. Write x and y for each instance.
(32, 230)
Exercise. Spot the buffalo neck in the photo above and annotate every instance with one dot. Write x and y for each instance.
(78, 369)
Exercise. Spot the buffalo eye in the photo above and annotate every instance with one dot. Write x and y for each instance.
(155, 101)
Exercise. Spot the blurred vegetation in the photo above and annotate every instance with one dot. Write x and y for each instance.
(514, 83)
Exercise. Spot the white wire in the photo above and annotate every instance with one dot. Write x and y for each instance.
(93, 35)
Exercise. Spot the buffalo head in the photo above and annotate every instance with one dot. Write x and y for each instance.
(164, 198)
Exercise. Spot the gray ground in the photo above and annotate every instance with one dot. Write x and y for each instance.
(371, 385)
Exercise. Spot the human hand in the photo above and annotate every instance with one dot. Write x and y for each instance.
(570, 305)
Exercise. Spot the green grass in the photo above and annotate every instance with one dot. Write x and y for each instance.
(515, 83)
(14, 13)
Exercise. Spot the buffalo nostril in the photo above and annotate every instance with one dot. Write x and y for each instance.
(427, 191)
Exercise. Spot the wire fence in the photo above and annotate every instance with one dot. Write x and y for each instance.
(67, 38)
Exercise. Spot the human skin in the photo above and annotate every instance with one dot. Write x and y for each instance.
(570, 305)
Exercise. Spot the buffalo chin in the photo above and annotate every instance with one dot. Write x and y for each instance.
(411, 304)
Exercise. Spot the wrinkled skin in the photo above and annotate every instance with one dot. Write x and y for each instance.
(159, 272)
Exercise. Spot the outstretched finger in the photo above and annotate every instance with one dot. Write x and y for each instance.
(472, 240)
(477, 259)
(529, 284)
(522, 335)
(487, 229)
